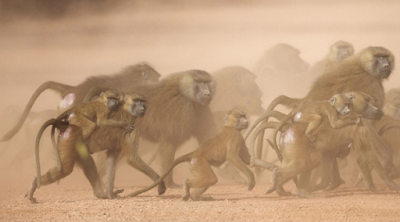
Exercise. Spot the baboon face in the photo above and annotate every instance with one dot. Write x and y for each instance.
(341, 103)
(360, 104)
(237, 119)
(378, 61)
(111, 98)
(198, 86)
(135, 104)
(341, 50)
(202, 93)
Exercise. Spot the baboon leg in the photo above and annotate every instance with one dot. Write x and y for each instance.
(112, 156)
(336, 181)
(90, 171)
(133, 158)
(197, 194)
(314, 122)
(303, 183)
(167, 152)
(238, 163)
(186, 189)
(327, 158)
(203, 177)
(381, 171)
(363, 165)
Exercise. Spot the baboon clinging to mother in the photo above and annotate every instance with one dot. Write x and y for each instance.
(365, 72)
(114, 140)
(228, 145)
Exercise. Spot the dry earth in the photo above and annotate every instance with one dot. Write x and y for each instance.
(176, 37)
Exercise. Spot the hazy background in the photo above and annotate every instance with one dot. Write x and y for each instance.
(71, 40)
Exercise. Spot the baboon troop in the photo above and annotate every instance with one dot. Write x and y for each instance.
(344, 113)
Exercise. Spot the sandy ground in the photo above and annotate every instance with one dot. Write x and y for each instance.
(174, 38)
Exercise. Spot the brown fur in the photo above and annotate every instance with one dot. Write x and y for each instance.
(355, 73)
(177, 111)
(228, 145)
(125, 80)
(392, 103)
(337, 52)
(114, 140)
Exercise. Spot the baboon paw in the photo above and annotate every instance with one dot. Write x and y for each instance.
(185, 197)
(161, 188)
(393, 186)
(33, 200)
(251, 185)
(270, 190)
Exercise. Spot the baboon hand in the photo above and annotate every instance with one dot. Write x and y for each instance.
(129, 127)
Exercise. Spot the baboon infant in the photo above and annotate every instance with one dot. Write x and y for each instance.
(96, 113)
(314, 112)
(228, 145)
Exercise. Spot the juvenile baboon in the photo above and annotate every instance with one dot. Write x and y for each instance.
(228, 145)
(114, 140)
(364, 71)
(124, 81)
(337, 52)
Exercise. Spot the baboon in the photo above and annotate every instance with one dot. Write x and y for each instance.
(278, 65)
(364, 71)
(392, 103)
(95, 113)
(337, 52)
(313, 113)
(125, 80)
(301, 155)
(228, 145)
(113, 140)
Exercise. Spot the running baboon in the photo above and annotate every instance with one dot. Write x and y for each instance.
(364, 71)
(228, 145)
(114, 140)
(124, 81)
(301, 155)
(337, 52)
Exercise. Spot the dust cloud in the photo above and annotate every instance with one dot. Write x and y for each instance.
(77, 42)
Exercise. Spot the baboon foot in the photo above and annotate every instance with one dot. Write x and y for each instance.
(283, 193)
(251, 185)
(393, 186)
(303, 193)
(271, 189)
(161, 188)
(31, 191)
(116, 193)
(186, 197)
(333, 186)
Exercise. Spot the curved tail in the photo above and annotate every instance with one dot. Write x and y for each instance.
(179, 160)
(58, 87)
(40, 133)
(291, 103)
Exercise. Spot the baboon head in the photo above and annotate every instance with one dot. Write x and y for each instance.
(197, 86)
(237, 119)
(340, 50)
(135, 103)
(360, 105)
(111, 98)
(341, 103)
(377, 61)
(148, 73)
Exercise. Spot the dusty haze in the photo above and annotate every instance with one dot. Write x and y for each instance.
(174, 37)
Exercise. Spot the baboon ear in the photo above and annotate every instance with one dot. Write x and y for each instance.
(144, 75)
(351, 97)
(332, 101)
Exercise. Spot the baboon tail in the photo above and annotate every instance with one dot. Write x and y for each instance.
(38, 137)
(58, 87)
(184, 158)
(383, 129)
(264, 117)
(291, 103)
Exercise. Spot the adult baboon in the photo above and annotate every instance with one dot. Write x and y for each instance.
(228, 145)
(125, 80)
(237, 89)
(179, 110)
(337, 52)
(280, 71)
(364, 71)
(114, 140)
